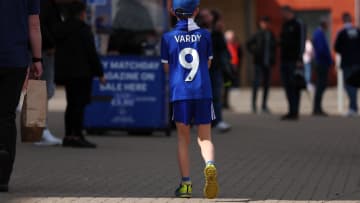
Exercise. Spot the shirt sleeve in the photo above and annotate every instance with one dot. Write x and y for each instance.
(210, 53)
(164, 51)
(33, 7)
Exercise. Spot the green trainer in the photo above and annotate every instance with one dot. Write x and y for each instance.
(184, 190)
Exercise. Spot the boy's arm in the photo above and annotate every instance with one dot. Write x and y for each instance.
(165, 54)
(209, 63)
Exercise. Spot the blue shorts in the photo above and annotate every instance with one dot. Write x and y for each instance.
(194, 112)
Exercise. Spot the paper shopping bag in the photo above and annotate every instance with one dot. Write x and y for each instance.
(34, 111)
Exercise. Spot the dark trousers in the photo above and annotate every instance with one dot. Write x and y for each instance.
(217, 84)
(261, 74)
(225, 102)
(322, 72)
(11, 83)
(231, 83)
(292, 92)
(78, 95)
(351, 91)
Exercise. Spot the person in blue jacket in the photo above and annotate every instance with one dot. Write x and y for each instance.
(323, 61)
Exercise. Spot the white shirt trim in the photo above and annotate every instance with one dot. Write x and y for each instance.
(192, 25)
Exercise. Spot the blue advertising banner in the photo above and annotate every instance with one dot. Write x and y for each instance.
(133, 98)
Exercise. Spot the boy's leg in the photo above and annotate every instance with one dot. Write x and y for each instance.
(203, 116)
(211, 187)
(205, 143)
(183, 149)
(182, 117)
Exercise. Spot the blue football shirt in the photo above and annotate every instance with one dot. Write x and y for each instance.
(187, 49)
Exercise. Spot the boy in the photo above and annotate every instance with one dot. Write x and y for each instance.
(186, 53)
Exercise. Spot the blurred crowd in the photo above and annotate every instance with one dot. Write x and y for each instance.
(305, 61)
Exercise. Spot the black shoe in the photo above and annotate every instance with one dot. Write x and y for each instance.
(290, 117)
(77, 142)
(320, 114)
(4, 188)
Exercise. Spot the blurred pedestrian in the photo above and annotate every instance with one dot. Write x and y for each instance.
(323, 61)
(76, 64)
(308, 58)
(49, 16)
(219, 63)
(347, 44)
(263, 46)
(292, 43)
(21, 27)
(236, 54)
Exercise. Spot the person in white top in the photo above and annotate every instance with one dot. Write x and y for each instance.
(308, 58)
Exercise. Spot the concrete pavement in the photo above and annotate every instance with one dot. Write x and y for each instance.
(260, 160)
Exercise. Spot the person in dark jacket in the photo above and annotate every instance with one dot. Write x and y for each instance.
(20, 28)
(292, 44)
(263, 46)
(76, 63)
(220, 60)
(323, 61)
(347, 44)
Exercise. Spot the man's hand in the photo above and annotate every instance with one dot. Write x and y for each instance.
(36, 70)
(102, 80)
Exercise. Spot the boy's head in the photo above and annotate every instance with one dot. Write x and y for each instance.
(184, 9)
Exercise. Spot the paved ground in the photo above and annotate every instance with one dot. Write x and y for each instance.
(241, 101)
(261, 160)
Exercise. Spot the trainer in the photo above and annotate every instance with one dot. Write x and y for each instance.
(20, 27)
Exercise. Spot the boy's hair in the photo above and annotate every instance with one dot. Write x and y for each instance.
(182, 14)
(76, 8)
